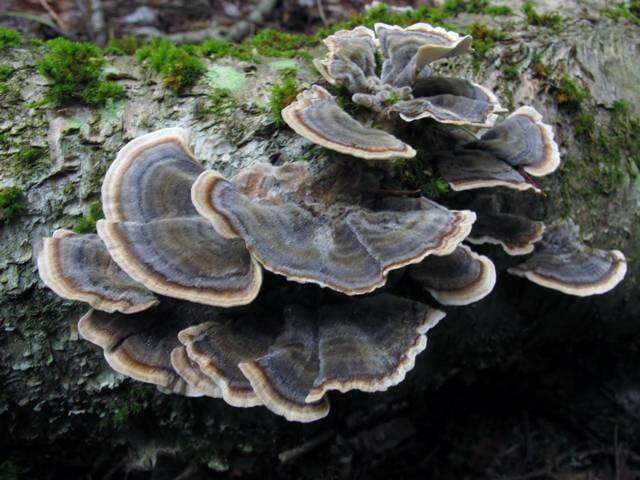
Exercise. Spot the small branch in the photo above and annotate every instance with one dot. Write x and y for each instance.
(323, 17)
(306, 447)
(56, 18)
(34, 18)
(396, 193)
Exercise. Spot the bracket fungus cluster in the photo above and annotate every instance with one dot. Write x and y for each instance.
(175, 274)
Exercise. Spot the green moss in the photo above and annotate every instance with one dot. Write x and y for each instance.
(569, 94)
(484, 39)
(9, 38)
(222, 48)
(274, 43)
(11, 203)
(619, 11)
(474, 6)
(29, 155)
(5, 72)
(124, 407)
(217, 104)
(74, 70)
(609, 152)
(87, 224)
(584, 124)
(102, 93)
(179, 67)
(540, 69)
(548, 19)
(498, 10)
(511, 71)
(282, 94)
(417, 174)
(123, 46)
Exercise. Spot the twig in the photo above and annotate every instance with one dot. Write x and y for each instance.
(396, 193)
(33, 18)
(56, 18)
(323, 17)
(546, 472)
(306, 447)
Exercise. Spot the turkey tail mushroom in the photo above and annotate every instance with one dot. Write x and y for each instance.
(562, 262)
(139, 346)
(351, 59)
(78, 267)
(316, 116)
(473, 169)
(460, 278)
(409, 51)
(154, 233)
(517, 235)
(522, 140)
(350, 250)
(370, 344)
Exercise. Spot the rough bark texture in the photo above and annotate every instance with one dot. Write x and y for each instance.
(520, 367)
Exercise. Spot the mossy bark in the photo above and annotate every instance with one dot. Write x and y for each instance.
(565, 357)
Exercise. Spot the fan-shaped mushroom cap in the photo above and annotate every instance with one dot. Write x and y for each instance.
(184, 258)
(409, 50)
(156, 236)
(283, 356)
(460, 278)
(138, 346)
(448, 108)
(436, 85)
(217, 347)
(348, 248)
(370, 344)
(316, 115)
(290, 360)
(151, 178)
(78, 267)
(516, 234)
(192, 374)
(470, 169)
(523, 140)
(283, 376)
(561, 262)
(351, 58)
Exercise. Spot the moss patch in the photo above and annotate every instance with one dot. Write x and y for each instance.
(9, 38)
(609, 155)
(272, 43)
(217, 104)
(548, 19)
(568, 93)
(484, 39)
(5, 72)
(11, 203)
(87, 224)
(179, 67)
(417, 174)
(74, 70)
(475, 6)
(619, 11)
(282, 94)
